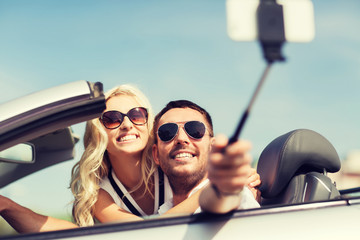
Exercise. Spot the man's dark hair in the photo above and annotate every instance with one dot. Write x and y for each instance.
(182, 104)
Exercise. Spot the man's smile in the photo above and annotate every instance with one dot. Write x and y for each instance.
(183, 155)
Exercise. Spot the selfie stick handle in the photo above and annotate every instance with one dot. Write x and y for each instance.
(246, 113)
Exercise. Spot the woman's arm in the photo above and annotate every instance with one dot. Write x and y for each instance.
(106, 210)
(188, 206)
(24, 220)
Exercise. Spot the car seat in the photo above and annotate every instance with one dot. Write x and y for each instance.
(293, 169)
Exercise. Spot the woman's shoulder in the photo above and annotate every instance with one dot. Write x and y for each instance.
(105, 183)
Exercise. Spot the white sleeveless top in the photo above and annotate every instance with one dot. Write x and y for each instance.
(106, 186)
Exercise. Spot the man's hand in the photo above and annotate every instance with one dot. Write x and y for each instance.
(229, 167)
(228, 171)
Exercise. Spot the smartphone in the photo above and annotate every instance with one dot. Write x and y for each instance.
(298, 15)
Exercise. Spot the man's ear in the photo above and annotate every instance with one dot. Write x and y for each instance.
(212, 140)
(155, 154)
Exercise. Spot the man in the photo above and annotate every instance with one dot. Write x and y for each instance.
(184, 142)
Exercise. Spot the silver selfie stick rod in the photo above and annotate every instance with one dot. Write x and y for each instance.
(246, 113)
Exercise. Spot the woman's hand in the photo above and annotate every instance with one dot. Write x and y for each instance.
(253, 182)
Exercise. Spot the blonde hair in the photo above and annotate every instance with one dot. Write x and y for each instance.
(94, 164)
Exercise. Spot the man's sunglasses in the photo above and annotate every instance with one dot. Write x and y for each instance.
(113, 119)
(193, 129)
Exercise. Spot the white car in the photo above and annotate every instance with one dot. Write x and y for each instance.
(298, 200)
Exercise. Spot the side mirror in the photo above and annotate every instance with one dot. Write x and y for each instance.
(20, 153)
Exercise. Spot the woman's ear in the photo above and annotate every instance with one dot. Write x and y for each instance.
(155, 154)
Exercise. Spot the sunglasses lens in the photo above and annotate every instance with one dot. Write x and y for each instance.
(195, 129)
(138, 115)
(167, 131)
(112, 119)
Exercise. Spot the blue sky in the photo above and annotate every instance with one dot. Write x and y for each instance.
(180, 50)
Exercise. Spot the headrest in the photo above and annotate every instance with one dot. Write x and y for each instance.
(301, 150)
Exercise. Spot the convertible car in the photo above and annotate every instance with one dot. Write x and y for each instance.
(299, 199)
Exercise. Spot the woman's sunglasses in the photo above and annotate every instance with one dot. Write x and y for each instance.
(113, 119)
(193, 129)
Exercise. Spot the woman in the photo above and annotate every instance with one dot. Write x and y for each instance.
(116, 151)
(117, 155)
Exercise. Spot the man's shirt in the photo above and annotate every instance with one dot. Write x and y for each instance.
(247, 199)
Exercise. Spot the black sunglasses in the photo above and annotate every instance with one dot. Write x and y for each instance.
(193, 129)
(113, 119)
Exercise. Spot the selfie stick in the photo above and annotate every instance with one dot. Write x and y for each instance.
(272, 36)
(247, 111)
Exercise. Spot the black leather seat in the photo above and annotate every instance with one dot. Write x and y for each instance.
(293, 169)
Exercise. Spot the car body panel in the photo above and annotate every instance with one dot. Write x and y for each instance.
(81, 101)
(302, 221)
(43, 98)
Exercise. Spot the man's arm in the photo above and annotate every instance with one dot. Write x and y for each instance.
(23, 220)
(228, 171)
(191, 204)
